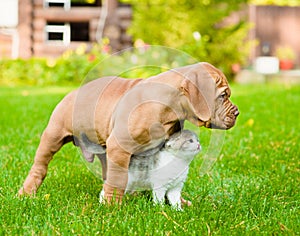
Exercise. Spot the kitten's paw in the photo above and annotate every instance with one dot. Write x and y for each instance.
(177, 207)
(101, 197)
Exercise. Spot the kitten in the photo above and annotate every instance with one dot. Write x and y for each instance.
(165, 171)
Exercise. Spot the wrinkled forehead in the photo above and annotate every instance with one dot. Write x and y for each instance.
(221, 82)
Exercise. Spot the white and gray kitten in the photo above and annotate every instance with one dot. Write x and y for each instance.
(165, 171)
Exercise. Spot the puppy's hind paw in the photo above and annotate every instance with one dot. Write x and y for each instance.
(185, 202)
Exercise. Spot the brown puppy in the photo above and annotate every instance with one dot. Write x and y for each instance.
(131, 116)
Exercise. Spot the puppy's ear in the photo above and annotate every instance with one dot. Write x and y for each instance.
(199, 87)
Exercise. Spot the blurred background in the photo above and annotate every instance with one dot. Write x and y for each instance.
(52, 41)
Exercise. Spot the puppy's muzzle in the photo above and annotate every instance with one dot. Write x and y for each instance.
(229, 120)
(235, 111)
(231, 117)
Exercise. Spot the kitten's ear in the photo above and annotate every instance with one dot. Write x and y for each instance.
(168, 144)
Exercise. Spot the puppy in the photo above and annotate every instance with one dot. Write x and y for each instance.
(128, 117)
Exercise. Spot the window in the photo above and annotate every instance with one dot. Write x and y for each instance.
(80, 31)
(67, 32)
(58, 32)
(83, 3)
(72, 3)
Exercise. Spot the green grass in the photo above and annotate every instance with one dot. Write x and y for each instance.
(253, 188)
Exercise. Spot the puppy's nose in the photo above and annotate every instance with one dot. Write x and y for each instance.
(236, 111)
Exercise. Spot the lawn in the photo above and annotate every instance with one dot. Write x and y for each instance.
(253, 188)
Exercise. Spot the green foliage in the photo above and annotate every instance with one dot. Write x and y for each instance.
(193, 26)
(75, 67)
(285, 52)
(70, 67)
(252, 189)
(141, 62)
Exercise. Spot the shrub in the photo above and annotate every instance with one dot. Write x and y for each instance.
(141, 62)
(75, 67)
(21, 71)
(71, 67)
(195, 27)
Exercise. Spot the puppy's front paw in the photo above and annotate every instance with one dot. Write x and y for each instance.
(27, 191)
(112, 195)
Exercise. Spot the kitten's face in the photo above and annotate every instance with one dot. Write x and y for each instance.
(186, 143)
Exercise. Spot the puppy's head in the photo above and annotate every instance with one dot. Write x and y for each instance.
(208, 93)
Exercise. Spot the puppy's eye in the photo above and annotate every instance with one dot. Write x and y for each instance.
(222, 95)
(191, 141)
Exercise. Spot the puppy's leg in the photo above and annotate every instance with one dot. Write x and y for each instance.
(117, 171)
(53, 138)
(57, 133)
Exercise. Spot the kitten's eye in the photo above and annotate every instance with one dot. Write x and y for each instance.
(191, 140)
